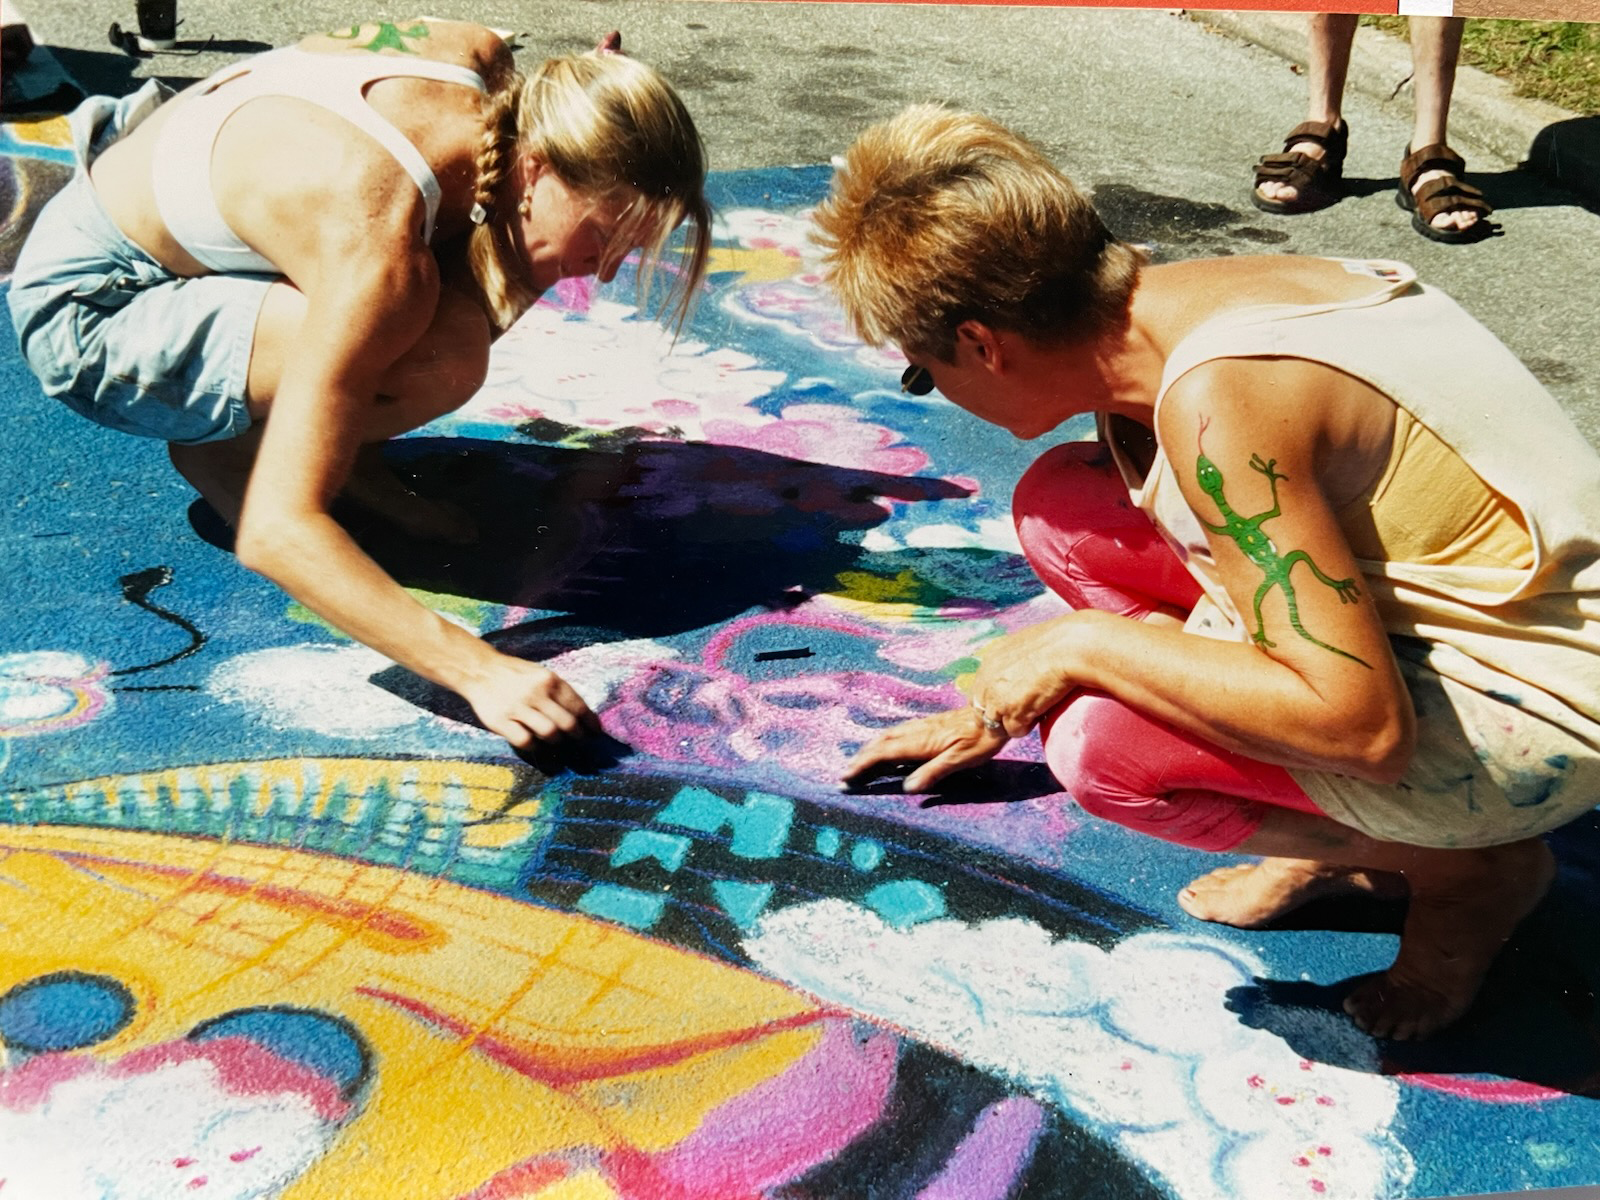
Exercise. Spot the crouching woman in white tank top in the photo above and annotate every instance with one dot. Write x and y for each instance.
(331, 235)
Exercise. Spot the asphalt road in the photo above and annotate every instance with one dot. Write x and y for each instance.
(1159, 115)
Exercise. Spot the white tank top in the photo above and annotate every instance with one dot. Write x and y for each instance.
(337, 82)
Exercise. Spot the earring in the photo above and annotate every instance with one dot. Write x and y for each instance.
(526, 206)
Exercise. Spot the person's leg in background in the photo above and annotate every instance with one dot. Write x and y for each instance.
(1445, 208)
(1307, 174)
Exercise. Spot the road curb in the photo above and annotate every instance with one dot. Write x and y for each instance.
(1552, 142)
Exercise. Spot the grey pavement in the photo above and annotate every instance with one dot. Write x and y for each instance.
(1159, 112)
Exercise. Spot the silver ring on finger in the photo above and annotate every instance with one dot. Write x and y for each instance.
(990, 723)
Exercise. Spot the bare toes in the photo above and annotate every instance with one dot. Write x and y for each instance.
(1255, 894)
(1398, 1012)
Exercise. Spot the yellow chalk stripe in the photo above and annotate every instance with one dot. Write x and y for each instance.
(482, 788)
(757, 266)
(509, 828)
(41, 131)
(863, 586)
(590, 1185)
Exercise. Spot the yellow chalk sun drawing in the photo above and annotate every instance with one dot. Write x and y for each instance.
(543, 1033)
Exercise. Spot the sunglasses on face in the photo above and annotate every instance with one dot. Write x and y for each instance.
(917, 381)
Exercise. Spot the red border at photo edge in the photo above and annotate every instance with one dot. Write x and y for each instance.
(1388, 7)
(1585, 10)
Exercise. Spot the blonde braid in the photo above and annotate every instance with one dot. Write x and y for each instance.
(505, 296)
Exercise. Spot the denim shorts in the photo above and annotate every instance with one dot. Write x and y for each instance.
(112, 333)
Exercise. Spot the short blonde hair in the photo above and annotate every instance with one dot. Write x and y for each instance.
(937, 217)
(604, 122)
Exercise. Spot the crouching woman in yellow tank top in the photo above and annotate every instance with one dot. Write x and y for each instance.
(311, 251)
(1328, 609)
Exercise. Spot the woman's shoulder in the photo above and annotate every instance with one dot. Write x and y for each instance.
(461, 43)
(1220, 284)
(1212, 318)
(1239, 391)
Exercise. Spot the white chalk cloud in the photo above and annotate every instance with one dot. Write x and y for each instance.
(43, 691)
(175, 1130)
(324, 688)
(328, 688)
(1137, 1042)
(611, 371)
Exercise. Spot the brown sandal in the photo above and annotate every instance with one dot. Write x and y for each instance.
(1445, 195)
(1316, 181)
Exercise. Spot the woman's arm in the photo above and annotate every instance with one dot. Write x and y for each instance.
(1316, 686)
(364, 310)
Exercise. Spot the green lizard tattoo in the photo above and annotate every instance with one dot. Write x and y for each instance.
(388, 37)
(1259, 549)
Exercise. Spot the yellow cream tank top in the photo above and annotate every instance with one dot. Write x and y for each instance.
(1428, 506)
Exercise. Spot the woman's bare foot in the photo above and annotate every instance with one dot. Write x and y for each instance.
(1463, 909)
(1251, 895)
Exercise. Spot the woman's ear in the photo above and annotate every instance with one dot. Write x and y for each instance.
(982, 343)
(531, 167)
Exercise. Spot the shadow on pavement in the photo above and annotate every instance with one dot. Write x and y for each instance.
(114, 72)
(646, 540)
(1543, 154)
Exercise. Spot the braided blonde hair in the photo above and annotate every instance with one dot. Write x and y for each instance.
(603, 122)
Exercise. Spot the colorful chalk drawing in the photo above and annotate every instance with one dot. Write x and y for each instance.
(281, 921)
(35, 160)
(795, 299)
(42, 692)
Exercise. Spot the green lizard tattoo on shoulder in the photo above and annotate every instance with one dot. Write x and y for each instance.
(388, 37)
(1260, 549)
